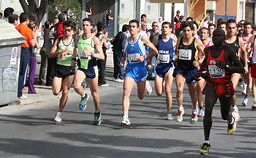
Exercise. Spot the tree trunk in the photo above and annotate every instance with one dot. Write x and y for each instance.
(31, 8)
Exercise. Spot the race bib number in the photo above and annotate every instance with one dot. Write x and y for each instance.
(164, 58)
(216, 72)
(84, 63)
(133, 58)
(185, 54)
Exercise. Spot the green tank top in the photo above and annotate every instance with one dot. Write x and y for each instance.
(85, 44)
(66, 61)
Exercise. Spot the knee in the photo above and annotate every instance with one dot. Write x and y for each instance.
(179, 91)
(77, 86)
(65, 93)
(55, 92)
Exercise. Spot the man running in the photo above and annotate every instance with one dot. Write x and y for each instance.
(238, 46)
(204, 36)
(88, 50)
(136, 70)
(187, 62)
(165, 66)
(64, 74)
(220, 62)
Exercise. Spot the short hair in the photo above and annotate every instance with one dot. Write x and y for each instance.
(167, 23)
(125, 27)
(23, 17)
(13, 18)
(211, 24)
(134, 21)
(205, 28)
(188, 24)
(154, 22)
(248, 23)
(8, 11)
(231, 21)
(62, 17)
(88, 20)
(100, 26)
(47, 24)
(32, 25)
(181, 17)
(221, 23)
(69, 23)
(189, 18)
(143, 15)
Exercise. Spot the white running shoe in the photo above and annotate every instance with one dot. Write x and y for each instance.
(201, 113)
(169, 116)
(180, 113)
(148, 88)
(57, 117)
(245, 102)
(235, 113)
(125, 121)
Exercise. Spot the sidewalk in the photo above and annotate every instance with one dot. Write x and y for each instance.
(44, 93)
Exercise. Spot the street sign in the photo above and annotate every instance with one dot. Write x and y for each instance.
(167, 1)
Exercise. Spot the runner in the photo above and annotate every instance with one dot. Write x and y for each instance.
(251, 47)
(88, 50)
(237, 44)
(136, 70)
(64, 74)
(247, 77)
(204, 35)
(187, 62)
(165, 66)
(220, 62)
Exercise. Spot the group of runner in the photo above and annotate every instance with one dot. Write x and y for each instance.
(210, 63)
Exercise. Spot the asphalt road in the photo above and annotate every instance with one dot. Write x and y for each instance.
(27, 131)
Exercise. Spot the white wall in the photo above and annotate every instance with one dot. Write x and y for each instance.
(15, 4)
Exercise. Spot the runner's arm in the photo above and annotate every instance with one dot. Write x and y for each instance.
(98, 48)
(233, 62)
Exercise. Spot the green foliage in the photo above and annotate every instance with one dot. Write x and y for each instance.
(71, 7)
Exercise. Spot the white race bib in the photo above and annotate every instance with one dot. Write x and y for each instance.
(185, 54)
(163, 58)
(133, 58)
(216, 72)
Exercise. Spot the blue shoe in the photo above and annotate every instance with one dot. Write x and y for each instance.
(82, 104)
(97, 118)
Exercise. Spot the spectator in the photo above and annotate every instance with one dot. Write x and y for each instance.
(45, 51)
(32, 63)
(109, 23)
(177, 16)
(13, 19)
(51, 61)
(143, 18)
(7, 13)
(27, 33)
(102, 63)
(118, 47)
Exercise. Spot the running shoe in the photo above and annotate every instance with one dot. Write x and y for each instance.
(245, 102)
(235, 113)
(57, 117)
(148, 88)
(125, 121)
(253, 107)
(82, 104)
(194, 117)
(204, 148)
(231, 126)
(169, 116)
(180, 113)
(97, 118)
(201, 112)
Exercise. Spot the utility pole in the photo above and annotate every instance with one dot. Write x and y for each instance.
(226, 9)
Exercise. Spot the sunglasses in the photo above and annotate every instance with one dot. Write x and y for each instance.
(68, 30)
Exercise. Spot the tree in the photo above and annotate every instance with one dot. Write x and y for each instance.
(71, 7)
(30, 7)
